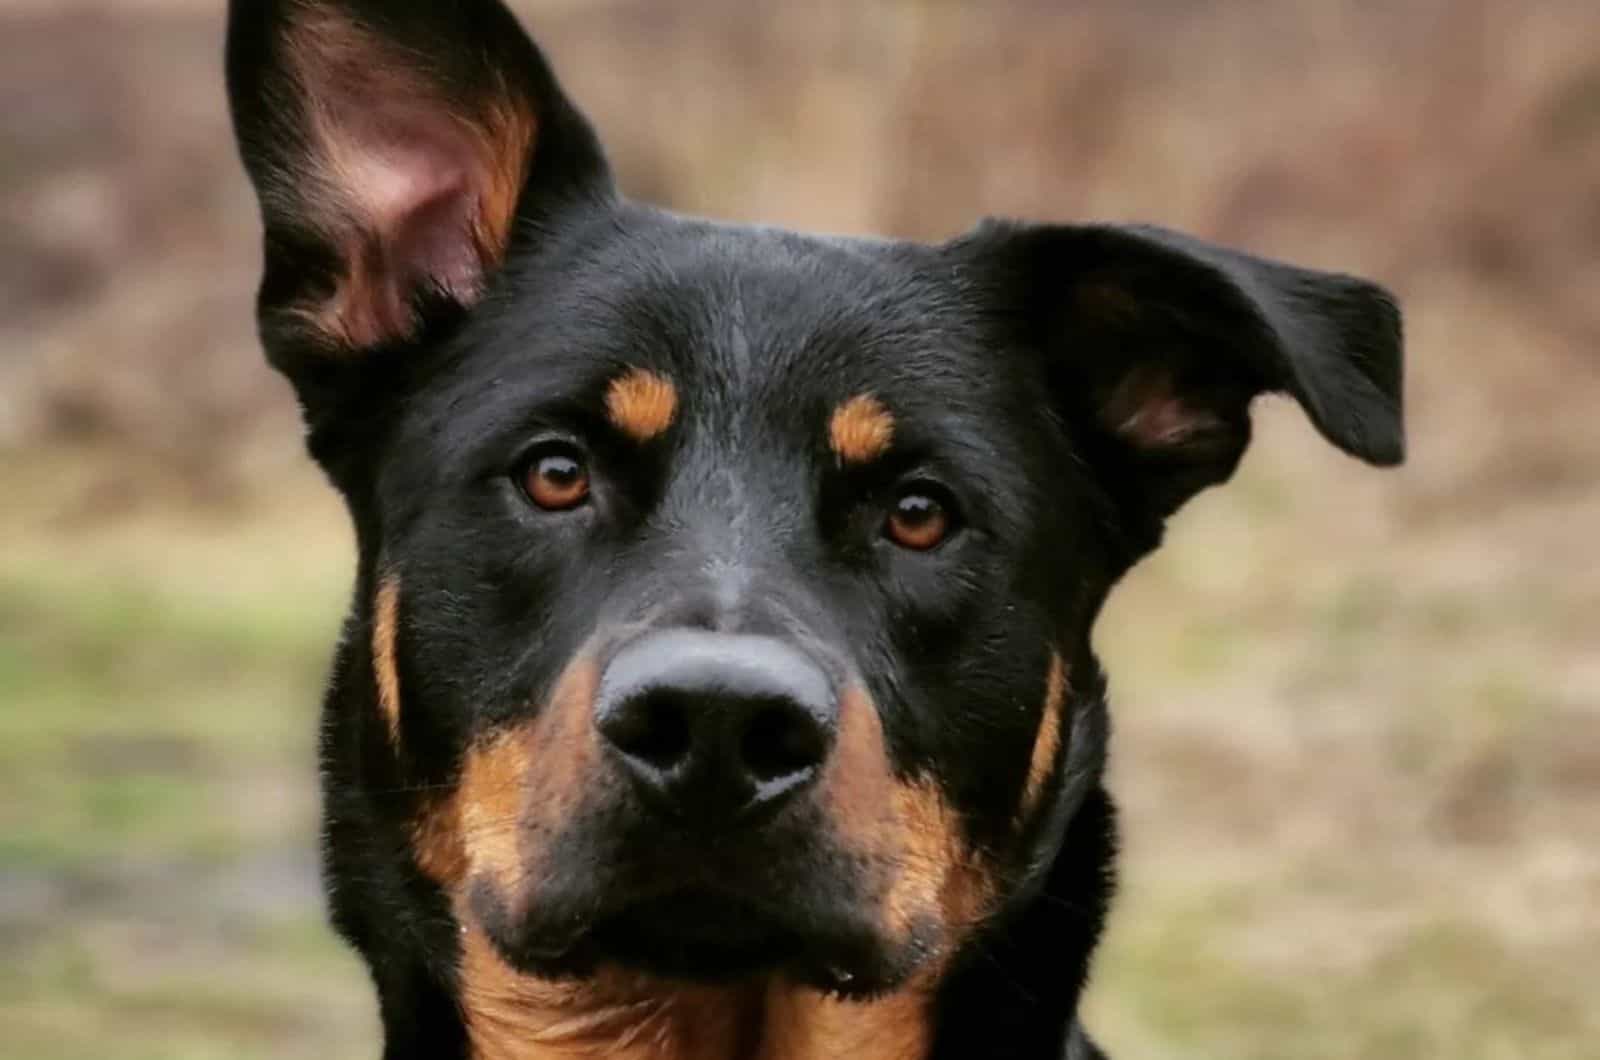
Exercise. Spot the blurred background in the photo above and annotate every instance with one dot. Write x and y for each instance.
(1358, 713)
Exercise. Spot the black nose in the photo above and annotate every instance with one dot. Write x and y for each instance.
(716, 724)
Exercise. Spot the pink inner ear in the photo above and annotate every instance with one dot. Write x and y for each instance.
(414, 204)
(1146, 410)
(415, 190)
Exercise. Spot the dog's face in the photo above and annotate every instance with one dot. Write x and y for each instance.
(726, 592)
(738, 576)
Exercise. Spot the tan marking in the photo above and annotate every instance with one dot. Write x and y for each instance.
(907, 828)
(1047, 744)
(617, 1015)
(860, 430)
(641, 404)
(387, 148)
(490, 806)
(927, 855)
(940, 880)
(437, 842)
(385, 669)
(612, 1015)
(526, 781)
(802, 1024)
(856, 779)
(503, 807)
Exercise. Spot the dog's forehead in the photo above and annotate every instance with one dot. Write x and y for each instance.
(737, 317)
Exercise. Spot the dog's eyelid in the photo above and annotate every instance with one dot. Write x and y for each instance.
(531, 442)
(931, 474)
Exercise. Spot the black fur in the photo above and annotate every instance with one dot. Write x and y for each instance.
(1008, 358)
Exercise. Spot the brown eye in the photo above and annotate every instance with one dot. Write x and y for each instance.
(918, 521)
(557, 479)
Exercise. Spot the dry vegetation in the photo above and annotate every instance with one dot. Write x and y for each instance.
(1359, 714)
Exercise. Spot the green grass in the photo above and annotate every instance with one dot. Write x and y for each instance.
(157, 794)
(1176, 981)
(130, 705)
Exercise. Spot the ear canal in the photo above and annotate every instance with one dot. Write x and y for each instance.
(1147, 408)
(391, 145)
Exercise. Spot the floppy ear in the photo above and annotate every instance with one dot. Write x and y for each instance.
(1156, 344)
(394, 145)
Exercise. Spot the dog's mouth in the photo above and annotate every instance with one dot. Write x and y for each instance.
(705, 935)
(697, 934)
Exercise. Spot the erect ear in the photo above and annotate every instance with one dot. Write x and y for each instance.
(1157, 343)
(393, 145)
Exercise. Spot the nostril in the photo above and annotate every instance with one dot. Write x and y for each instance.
(654, 728)
(780, 741)
(715, 724)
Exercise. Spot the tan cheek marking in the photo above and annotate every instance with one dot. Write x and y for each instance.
(489, 805)
(858, 784)
(565, 741)
(506, 799)
(927, 854)
(436, 840)
(860, 430)
(385, 670)
(940, 878)
(1047, 744)
(505, 795)
(641, 404)
(908, 827)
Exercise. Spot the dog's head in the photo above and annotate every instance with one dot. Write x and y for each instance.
(725, 592)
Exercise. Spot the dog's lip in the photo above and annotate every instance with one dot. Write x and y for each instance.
(685, 906)
(676, 931)
(696, 914)
(712, 934)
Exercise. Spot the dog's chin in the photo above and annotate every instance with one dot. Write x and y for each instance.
(697, 937)
(712, 939)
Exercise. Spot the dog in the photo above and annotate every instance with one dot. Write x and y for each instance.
(718, 680)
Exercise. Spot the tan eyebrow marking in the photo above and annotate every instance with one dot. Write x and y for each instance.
(1048, 742)
(860, 430)
(385, 625)
(641, 404)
